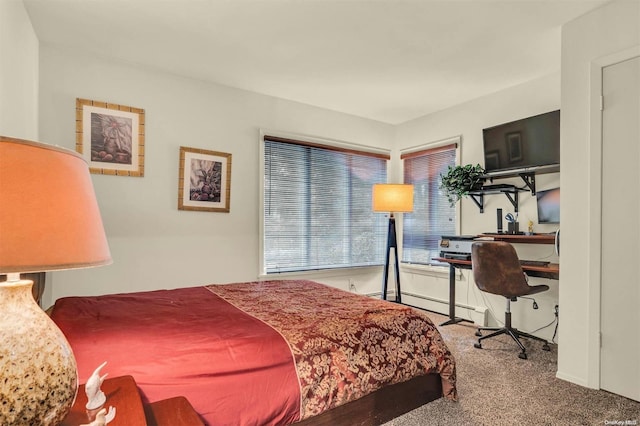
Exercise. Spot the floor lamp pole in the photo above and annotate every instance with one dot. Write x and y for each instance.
(392, 243)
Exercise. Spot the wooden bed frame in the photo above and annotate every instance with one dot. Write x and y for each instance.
(383, 405)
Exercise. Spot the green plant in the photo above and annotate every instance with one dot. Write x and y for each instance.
(459, 180)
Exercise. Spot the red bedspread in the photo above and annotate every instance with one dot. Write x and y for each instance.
(254, 353)
(233, 368)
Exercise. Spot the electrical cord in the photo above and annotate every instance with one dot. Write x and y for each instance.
(491, 309)
(550, 255)
(553, 339)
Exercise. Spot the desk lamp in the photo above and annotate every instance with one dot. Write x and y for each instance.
(49, 220)
(392, 198)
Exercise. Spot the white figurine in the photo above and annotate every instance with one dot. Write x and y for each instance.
(102, 418)
(95, 397)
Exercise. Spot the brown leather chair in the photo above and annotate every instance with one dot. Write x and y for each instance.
(497, 270)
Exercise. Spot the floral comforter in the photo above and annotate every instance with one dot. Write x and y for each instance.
(344, 345)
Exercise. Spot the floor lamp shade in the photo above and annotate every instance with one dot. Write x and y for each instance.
(391, 197)
(49, 220)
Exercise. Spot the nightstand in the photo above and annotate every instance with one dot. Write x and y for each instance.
(172, 412)
(123, 394)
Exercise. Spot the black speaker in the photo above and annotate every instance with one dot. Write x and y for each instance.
(499, 219)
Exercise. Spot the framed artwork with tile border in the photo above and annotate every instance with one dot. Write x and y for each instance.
(204, 180)
(110, 137)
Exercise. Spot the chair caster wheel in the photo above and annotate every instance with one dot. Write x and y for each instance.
(546, 347)
(522, 355)
(477, 345)
(478, 333)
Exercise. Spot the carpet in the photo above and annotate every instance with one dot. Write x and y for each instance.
(495, 387)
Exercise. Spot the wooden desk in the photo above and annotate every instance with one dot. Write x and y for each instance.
(550, 271)
(522, 238)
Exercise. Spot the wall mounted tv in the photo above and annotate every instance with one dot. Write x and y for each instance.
(530, 144)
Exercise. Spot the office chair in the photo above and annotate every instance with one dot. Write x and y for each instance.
(497, 270)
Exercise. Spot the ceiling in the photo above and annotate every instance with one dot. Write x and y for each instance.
(386, 60)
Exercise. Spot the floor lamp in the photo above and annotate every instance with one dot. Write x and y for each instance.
(49, 220)
(392, 198)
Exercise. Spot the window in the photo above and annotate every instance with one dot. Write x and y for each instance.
(432, 214)
(317, 207)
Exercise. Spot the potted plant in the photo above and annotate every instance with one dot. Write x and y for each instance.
(459, 180)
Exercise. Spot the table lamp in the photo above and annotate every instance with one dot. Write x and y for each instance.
(392, 198)
(49, 220)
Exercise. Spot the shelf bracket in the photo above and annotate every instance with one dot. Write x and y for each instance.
(513, 197)
(479, 200)
(529, 180)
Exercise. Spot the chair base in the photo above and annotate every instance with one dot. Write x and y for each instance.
(515, 335)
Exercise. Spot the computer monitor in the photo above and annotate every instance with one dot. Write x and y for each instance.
(548, 206)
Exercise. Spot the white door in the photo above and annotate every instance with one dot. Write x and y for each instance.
(620, 310)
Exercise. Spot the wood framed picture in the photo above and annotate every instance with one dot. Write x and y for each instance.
(110, 137)
(204, 181)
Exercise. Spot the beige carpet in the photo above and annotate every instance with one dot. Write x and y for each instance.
(495, 387)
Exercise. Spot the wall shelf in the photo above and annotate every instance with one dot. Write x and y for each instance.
(528, 176)
(510, 191)
(529, 179)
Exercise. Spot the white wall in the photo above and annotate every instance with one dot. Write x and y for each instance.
(468, 120)
(605, 31)
(153, 244)
(18, 73)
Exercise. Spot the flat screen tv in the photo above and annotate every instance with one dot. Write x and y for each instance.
(528, 143)
(548, 206)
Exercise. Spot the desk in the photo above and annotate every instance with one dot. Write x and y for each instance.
(522, 238)
(550, 271)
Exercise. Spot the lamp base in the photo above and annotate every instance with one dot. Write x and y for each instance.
(39, 373)
(392, 243)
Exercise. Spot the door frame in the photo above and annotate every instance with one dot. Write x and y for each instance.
(595, 208)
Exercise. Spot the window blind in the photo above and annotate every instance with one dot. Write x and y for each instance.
(318, 209)
(432, 214)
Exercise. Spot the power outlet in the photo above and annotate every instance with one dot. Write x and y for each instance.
(352, 286)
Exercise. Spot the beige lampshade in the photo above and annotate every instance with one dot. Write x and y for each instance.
(49, 217)
(388, 197)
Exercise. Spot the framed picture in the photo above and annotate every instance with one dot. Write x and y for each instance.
(110, 137)
(514, 146)
(204, 181)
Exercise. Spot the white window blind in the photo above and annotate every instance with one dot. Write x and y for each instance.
(317, 207)
(432, 214)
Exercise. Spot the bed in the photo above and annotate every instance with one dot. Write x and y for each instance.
(264, 353)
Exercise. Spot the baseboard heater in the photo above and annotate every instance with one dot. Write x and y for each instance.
(477, 314)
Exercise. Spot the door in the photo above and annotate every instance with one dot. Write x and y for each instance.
(620, 298)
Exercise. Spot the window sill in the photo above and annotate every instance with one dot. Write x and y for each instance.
(322, 273)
